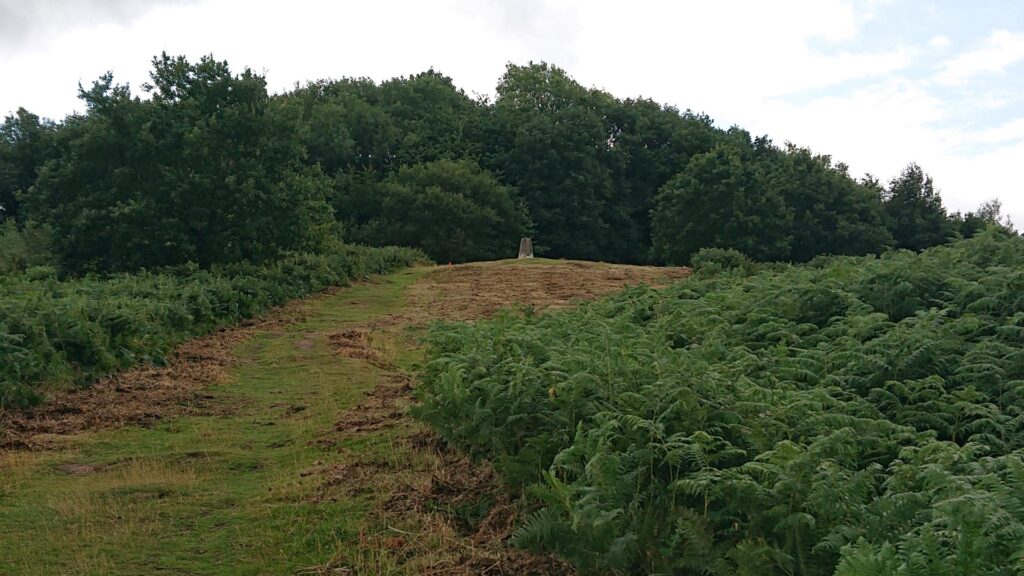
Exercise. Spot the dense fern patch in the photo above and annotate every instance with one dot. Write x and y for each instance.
(74, 331)
(849, 416)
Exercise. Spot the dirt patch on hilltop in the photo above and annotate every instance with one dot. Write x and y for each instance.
(471, 291)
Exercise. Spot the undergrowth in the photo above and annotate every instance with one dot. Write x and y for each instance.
(56, 332)
(851, 416)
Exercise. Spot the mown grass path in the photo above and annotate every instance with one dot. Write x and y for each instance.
(291, 469)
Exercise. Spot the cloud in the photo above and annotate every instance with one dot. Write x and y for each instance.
(539, 26)
(966, 181)
(740, 49)
(1000, 50)
(724, 57)
(846, 78)
(25, 25)
(877, 128)
(1012, 131)
(304, 40)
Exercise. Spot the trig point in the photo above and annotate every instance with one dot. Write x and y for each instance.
(526, 248)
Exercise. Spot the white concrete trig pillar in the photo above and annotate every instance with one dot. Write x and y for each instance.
(526, 248)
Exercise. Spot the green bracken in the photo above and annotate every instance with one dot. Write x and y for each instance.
(850, 416)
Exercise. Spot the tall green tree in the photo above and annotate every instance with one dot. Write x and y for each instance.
(359, 132)
(452, 210)
(720, 200)
(988, 215)
(557, 144)
(832, 212)
(655, 141)
(26, 142)
(346, 127)
(917, 218)
(209, 170)
(432, 116)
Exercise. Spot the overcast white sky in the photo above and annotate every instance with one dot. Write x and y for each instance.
(874, 83)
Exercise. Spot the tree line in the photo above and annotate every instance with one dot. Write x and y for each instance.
(205, 165)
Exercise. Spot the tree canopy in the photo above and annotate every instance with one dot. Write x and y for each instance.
(205, 165)
(209, 169)
(918, 218)
(25, 144)
(452, 210)
(769, 203)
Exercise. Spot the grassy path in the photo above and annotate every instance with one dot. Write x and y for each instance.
(220, 494)
(306, 463)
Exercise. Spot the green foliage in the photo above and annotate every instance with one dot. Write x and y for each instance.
(26, 141)
(711, 260)
(988, 215)
(23, 247)
(556, 152)
(719, 200)
(654, 141)
(916, 215)
(213, 169)
(769, 203)
(850, 416)
(55, 332)
(453, 211)
(832, 213)
(209, 170)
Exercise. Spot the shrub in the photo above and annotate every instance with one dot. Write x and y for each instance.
(72, 332)
(719, 259)
(22, 248)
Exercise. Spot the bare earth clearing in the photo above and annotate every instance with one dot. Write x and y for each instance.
(410, 505)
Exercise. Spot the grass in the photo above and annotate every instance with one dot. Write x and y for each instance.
(535, 261)
(219, 494)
